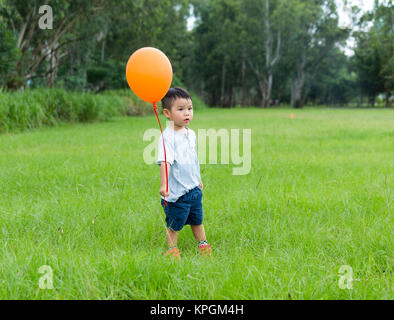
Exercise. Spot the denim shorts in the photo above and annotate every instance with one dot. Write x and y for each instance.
(186, 210)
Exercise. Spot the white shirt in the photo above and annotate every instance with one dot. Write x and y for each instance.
(181, 152)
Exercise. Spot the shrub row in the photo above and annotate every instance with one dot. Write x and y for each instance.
(137, 106)
(40, 107)
(48, 107)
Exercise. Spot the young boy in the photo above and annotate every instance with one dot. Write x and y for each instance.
(184, 196)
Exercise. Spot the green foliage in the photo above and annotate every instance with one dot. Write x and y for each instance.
(227, 59)
(106, 75)
(368, 64)
(9, 55)
(41, 107)
(218, 40)
(332, 81)
(36, 108)
(136, 106)
(374, 54)
(39, 46)
(235, 43)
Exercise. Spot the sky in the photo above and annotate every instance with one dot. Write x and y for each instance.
(344, 12)
(344, 17)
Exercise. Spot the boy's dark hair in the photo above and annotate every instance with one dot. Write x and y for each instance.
(173, 94)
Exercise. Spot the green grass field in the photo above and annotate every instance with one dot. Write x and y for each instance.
(80, 199)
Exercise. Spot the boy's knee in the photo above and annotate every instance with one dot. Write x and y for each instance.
(170, 230)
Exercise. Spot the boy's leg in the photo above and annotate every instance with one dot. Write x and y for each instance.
(199, 232)
(172, 238)
(203, 245)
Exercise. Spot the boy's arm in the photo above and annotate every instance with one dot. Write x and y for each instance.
(163, 188)
(201, 185)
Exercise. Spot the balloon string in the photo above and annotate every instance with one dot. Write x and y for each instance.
(165, 156)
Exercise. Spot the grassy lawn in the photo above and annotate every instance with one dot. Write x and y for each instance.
(80, 199)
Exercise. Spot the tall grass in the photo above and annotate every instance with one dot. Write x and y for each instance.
(48, 107)
(40, 107)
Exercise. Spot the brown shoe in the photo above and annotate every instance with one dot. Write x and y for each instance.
(173, 253)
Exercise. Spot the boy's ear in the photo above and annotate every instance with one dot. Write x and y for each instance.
(166, 112)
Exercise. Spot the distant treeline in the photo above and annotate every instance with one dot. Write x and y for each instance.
(239, 52)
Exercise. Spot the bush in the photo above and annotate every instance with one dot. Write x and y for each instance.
(39, 107)
(9, 55)
(48, 107)
(138, 107)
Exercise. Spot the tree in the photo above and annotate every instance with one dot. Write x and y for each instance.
(265, 20)
(9, 55)
(332, 81)
(316, 31)
(217, 49)
(39, 46)
(275, 43)
(374, 55)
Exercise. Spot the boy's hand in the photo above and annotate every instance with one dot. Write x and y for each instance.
(201, 185)
(163, 191)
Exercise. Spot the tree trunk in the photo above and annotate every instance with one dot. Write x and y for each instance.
(243, 77)
(53, 63)
(269, 89)
(222, 93)
(296, 92)
(266, 89)
(263, 91)
(233, 97)
(270, 60)
(212, 98)
(298, 84)
(265, 78)
(360, 101)
(371, 101)
(102, 50)
(388, 102)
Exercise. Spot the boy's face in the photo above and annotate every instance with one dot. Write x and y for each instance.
(181, 112)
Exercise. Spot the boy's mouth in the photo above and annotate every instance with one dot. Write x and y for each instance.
(187, 120)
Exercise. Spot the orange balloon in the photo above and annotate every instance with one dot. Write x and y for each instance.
(149, 74)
